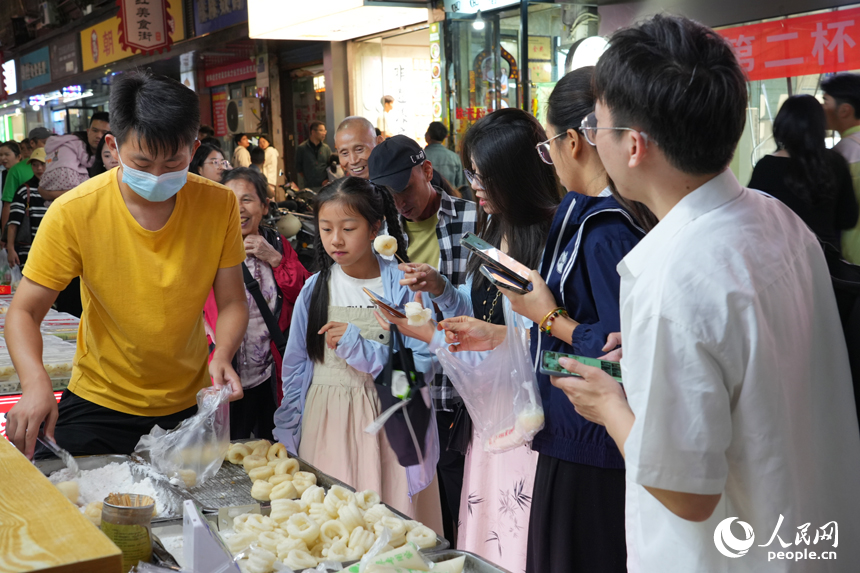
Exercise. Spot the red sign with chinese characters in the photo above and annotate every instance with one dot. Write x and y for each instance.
(470, 113)
(144, 25)
(219, 113)
(237, 72)
(821, 43)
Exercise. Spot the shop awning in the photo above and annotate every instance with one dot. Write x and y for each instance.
(332, 20)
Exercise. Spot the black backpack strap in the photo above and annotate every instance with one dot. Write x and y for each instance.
(271, 322)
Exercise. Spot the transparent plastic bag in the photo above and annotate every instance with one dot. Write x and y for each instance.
(500, 392)
(5, 269)
(16, 277)
(193, 451)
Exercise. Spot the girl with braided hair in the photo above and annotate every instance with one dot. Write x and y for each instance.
(337, 348)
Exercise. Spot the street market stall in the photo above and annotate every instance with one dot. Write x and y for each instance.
(328, 518)
(59, 337)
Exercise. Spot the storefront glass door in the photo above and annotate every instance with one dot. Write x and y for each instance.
(396, 66)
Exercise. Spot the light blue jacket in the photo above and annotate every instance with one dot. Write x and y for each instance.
(455, 301)
(363, 355)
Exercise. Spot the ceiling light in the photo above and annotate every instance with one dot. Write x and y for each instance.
(478, 24)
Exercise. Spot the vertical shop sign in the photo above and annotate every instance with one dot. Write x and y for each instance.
(219, 112)
(3, 93)
(35, 68)
(540, 59)
(820, 43)
(65, 58)
(100, 42)
(262, 73)
(436, 69)
(144, 26)
(211, 15)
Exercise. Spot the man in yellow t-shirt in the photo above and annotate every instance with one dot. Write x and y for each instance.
(149, 242)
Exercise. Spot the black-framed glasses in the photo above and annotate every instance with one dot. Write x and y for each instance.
(473, 178)
(589, 130)
(543, 148)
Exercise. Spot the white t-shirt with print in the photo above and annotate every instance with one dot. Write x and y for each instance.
(346, 291)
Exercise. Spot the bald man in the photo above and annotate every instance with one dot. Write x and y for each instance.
(354, 139)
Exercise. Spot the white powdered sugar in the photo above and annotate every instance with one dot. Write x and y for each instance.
(96, 484)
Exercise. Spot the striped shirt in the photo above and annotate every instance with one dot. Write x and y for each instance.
(27, 198)
(456, 218)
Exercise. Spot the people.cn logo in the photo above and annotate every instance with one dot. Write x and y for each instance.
(727, 543)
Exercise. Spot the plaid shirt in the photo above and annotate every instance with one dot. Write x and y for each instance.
(456, 218)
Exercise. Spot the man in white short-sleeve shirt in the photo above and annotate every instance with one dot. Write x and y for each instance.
(739, 427)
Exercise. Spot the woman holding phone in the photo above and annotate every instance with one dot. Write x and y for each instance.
(577, 509)
(517, 201)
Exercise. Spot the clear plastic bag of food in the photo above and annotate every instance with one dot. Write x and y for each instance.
(192, 452)
(500, 391)
(16, 277)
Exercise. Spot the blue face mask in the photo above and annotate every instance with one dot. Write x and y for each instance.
(153, 188)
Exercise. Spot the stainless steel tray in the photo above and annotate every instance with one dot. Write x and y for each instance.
(174, 496)
(231, 486)
(167, 541)
(474, 563)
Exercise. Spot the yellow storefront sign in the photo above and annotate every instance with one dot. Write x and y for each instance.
(100, 43)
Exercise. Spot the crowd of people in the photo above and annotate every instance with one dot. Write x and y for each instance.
(737, 399)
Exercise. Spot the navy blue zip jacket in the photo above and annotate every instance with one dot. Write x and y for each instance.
(588, 238)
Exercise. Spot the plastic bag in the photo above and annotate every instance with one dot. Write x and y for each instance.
(194, 451)
(501, 391)
(5, 269)
(16, 277)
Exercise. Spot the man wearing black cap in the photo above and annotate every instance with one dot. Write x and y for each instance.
(434, 223)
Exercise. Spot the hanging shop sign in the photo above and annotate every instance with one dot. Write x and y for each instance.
(237, 72)
(65, 58)
(3, 93)
(35, 68)
(143, 26)
(436, 69)
(820, 43)
(9, 78)
(100, 43)
(219, 111)
(211, 15)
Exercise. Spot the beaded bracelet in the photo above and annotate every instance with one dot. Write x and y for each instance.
(545, 325)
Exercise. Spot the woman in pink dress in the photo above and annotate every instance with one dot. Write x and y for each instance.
(518, 195)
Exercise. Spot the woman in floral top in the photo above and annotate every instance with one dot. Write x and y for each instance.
(273, 263)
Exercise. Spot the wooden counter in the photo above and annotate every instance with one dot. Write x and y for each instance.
(41, 530)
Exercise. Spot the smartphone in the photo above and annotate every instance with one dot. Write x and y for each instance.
(503, 280)
(549, 365)
(384, 304)
(496, 258)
